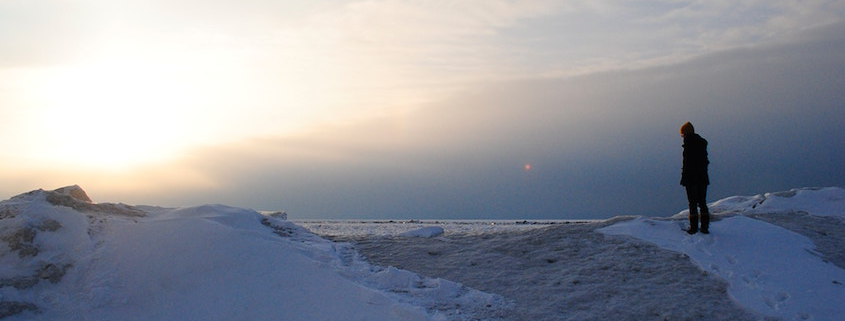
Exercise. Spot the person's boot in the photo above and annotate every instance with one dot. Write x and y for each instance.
(693, 223)
(705, 221)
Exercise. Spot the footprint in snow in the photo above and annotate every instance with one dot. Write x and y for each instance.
(777, 301)
(714, 267)
(751, 279)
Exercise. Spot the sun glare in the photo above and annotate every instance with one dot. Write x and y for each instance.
(112, 115)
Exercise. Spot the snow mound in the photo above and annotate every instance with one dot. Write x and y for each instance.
(429, 231)
(770, 268)
(827, 201)
(67, 258)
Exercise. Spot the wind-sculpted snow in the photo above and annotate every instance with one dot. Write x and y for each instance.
(745, 269)
(564, 272)
(770, 256)
(430, 231)
(771, 268)
(67, 258)
(828, 201)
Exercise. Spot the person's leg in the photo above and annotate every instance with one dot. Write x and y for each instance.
(705, 213)
(693, 209)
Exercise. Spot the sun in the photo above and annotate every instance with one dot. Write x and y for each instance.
(113, 114)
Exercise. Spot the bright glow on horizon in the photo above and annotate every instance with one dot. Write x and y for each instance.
(149, 82)
(119, 113)
(93, 90)
(111, 114)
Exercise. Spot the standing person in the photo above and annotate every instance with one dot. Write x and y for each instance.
(694, 178)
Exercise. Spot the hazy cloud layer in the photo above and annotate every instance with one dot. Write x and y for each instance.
(599, 145)
(435, 106)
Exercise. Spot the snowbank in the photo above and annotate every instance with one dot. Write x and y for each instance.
(828, 201)
(430, 231)
(67, 258)
(778, 262)
(770, 269)
(775, 272)
(64, 257)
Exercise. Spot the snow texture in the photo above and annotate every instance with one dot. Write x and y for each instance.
(343, 228)
(771, 268)
(790, 268)
(430, 231)
(828, 201)
(776, 272)
(65, 258)
(770, 256)
(565, 272)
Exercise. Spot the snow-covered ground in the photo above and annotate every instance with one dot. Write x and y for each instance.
(775, 255)
(376, 228)
(66, 258)
(769, 256)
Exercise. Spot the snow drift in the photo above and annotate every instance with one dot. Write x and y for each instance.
(67, 258)
(429, 231)
(771, 270)
(769, 256)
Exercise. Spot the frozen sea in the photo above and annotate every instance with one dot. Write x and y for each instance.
(560, 271)
(772, 256)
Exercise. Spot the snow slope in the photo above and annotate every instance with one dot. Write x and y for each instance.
(828, 201)
(770, 269)
(564, 272)
(776, 261)
(70, 259)
(769, 256)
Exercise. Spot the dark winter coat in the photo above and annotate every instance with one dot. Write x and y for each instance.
(694, 171)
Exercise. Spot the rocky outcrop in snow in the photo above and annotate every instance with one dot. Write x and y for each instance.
(75, 192)
(27, 220)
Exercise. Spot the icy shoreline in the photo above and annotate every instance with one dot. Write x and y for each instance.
(770, 256)
(746, 269)
(564, 272)
(68, 258)
(345, 228)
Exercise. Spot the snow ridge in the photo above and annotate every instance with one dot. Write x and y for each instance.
(827, 201)
(771, 269)
(67, 258)
(64, 257)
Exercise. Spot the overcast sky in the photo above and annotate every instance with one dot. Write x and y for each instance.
(419, 109)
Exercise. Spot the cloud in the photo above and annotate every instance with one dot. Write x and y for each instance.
(722, 25)
(34, 33)
(408, 46)
(438, 105)
(600, 145)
